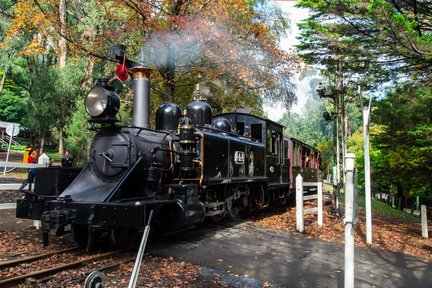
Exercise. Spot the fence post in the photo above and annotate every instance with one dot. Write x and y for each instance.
(320, 207)
(299, 203)
(424, 222)
(349, 219)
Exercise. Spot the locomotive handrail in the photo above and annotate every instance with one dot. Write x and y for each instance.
(229, 133)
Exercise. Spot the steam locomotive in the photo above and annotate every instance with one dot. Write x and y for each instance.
(191, 166)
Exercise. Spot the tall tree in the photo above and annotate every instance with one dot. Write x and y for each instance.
(394, 36)
(405, 139)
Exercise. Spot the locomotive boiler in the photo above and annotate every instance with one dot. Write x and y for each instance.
(193, 165)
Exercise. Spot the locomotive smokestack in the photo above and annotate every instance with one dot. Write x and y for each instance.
(141, 105)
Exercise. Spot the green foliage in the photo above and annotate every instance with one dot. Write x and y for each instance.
(312, 129)
(54, 156)
(395, 37)
(53, 94)
(309, 127)
(380, 181)
(406, 139)
(12, 107)
(79, 136)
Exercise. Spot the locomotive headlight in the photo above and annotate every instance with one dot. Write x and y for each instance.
(96, 101)
(102, 104)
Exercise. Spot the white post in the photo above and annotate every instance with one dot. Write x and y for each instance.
(366, 112)
(424, 222)
(349, 219)
(334, 176)
(335, 182)
(299, 203)
(320, 207)
(417, 203)
(10, 143)
(37, 224)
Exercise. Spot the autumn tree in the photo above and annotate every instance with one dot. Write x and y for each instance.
(229, 46)
(183, 40)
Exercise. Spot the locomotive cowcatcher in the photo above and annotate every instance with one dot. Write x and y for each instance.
(191, 166)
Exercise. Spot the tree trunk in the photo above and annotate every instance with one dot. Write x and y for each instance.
(3, 80)
(88, 74)
(42, 140)
(400, 196)
(61, 141)
(62, 39)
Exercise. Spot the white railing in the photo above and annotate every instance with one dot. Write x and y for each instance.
(21, 165)
(16, 186)
(300, 199)
(6, 138)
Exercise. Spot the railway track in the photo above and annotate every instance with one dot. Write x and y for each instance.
(47, 273)
(34, 257)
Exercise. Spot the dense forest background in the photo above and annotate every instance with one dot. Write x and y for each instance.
(380, 49)
(51, 53)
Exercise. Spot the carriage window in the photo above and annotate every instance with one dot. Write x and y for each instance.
(285, 149)
(256, 132)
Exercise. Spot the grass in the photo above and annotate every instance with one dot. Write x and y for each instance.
(54, 155)
(382, 208)
(378, 207)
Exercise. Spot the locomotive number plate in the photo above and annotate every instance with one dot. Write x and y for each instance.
(239, 157)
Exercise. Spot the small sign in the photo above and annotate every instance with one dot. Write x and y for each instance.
(239, 157)
(12, 130)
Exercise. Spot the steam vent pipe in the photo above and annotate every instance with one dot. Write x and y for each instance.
(141, 106)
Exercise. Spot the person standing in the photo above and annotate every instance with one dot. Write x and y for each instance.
(67, 160)
(31, 173)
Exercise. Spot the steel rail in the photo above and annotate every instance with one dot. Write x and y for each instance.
(34, 257)
(14, 280)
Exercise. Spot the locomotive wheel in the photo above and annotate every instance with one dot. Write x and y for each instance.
(122, 237)
(282, 197)
(95, 280)
(234, 212)
(80, 234)
(217, 218)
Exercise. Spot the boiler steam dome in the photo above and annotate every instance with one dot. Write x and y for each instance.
(200, 113)
(167, 116)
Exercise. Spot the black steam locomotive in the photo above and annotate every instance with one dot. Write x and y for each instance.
(191, 166)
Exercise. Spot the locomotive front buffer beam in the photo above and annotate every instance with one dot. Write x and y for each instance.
(94, 217)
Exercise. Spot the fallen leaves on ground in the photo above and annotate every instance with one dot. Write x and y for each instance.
(387, 233)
